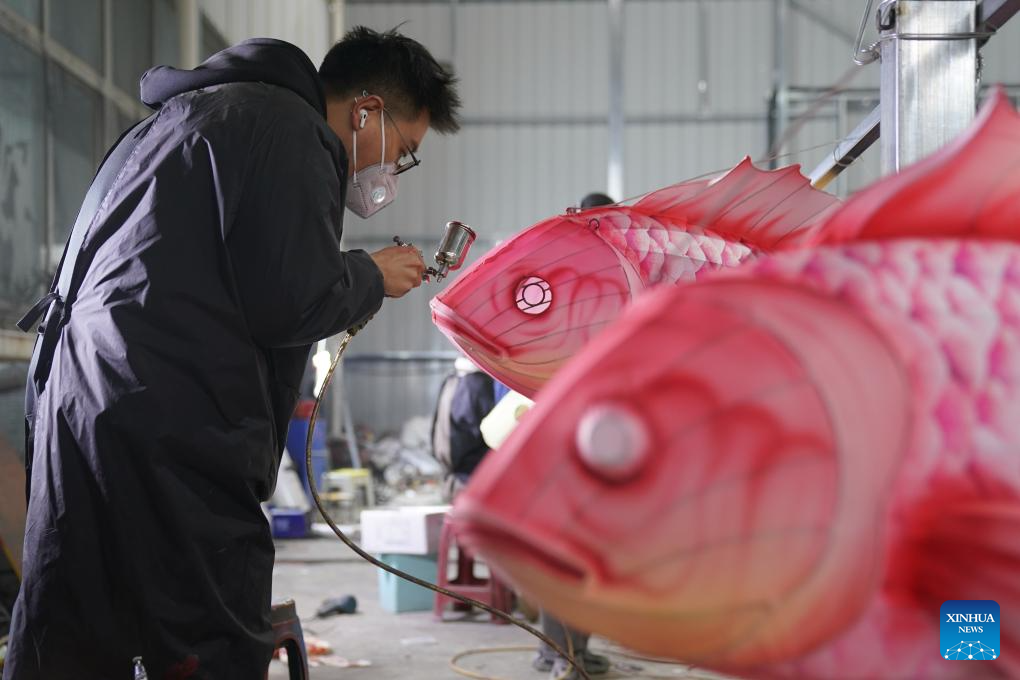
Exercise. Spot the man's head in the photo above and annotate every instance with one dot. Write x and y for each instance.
(386, 79)
(594, 200)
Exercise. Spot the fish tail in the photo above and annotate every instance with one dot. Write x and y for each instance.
(958, 544)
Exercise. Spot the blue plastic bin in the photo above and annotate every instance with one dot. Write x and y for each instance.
(297, 436)
(397, 595)
(288, 523)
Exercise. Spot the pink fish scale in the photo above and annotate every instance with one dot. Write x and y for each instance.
(957, 327)
(640, 244)
(658, 253)
(666, 253)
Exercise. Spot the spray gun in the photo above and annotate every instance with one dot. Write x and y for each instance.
(452, 252)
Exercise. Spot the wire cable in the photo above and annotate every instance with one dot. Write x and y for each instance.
(382, 565)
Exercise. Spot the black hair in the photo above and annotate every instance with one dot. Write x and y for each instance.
(594, 200)
(398, 69)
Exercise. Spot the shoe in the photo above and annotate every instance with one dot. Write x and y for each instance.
(562, 670)
(541, 663)
(593, 664)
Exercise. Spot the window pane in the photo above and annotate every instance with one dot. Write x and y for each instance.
(77, 25)
(22, 181)
(30, 9)
(132, 42)
(166, 33)
(75, 117)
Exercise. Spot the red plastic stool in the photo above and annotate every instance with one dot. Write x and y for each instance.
(287, 634)
(491, 591)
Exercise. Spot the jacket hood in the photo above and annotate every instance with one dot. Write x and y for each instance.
(262, 60)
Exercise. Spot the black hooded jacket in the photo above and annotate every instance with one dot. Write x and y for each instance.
(163, 383)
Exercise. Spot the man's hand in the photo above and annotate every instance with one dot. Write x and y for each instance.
(401, 267)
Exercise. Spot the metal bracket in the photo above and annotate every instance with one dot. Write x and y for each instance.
(993, 14)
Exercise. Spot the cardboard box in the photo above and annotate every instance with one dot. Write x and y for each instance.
(397, 595)
(412, 530)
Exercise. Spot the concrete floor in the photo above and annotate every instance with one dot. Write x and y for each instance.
(410, 645)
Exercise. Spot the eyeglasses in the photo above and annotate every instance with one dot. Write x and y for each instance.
(403, 165)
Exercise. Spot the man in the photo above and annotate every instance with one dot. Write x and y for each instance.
(465, 396)
(204, 263)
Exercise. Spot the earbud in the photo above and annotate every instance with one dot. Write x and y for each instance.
(364, 117)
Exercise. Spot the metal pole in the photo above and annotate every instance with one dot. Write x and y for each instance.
(340, 422)
(994, 14)
(780, 73)
(453, 34)
(929, 76)
(842, 115)
(337, 9)
(704, 103)
(191, 33)
(847, 151)
(614, 180)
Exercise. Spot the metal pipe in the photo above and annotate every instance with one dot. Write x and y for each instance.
(453, 34)
(337, 10)
(780, 75)
(614, 173)
(928, 87)
(190, 33)
(704, 104)
(863, 136)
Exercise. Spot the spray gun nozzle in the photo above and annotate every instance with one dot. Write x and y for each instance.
(452, 252)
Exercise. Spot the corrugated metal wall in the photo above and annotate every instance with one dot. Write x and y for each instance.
(535, 84)
(302, 22)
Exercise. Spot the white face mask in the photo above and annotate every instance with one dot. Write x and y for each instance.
(376, 186)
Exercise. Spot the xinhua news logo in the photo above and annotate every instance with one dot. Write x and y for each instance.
(970, 630)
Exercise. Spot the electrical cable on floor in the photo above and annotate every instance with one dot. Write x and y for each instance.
(382, 565)
(478, 651)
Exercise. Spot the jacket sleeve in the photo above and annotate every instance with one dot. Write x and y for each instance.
(295, 284)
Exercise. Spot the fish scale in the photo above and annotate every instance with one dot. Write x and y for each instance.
(958, 350)
(810, 453)
(671, 236)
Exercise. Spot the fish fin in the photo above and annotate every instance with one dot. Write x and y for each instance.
(970, 188)
(766, 209)
(960, 542)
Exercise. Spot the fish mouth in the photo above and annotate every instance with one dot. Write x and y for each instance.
(519, 555)
(463, 332)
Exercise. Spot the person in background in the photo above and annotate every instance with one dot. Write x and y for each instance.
(465, 397)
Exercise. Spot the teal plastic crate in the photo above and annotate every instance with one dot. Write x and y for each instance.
(397, 595)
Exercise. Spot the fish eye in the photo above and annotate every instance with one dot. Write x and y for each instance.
(612, 441)
(534, 295)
